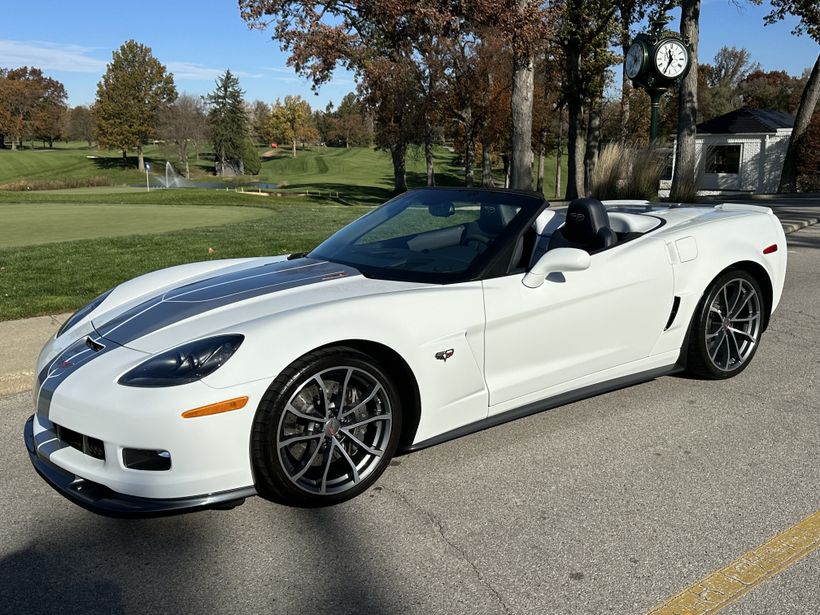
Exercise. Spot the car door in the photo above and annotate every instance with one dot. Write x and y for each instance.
(577, 323)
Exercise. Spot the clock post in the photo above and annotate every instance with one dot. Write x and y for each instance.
(657, 61)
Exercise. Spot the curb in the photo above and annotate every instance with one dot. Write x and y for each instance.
(791, 225)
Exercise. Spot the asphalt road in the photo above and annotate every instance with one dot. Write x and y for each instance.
(613, 504)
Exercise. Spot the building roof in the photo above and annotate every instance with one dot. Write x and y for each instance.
(746, 120)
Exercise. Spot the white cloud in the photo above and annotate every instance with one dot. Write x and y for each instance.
(50, 56)
(191, 71)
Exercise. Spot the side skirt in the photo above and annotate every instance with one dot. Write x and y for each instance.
(546, 404)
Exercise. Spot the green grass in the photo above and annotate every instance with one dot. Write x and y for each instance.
(326, 189)
(26, 225)
(58, 277)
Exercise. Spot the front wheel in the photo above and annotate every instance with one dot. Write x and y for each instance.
(325, 430)
(727, 327)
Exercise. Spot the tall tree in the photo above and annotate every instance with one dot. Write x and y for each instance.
(774, 89)
(130, 96)
(684, 180)
(184, 124)
(31, 105)
(260, 113)
(348, 123)
(586, 30)
(292, 121)
(808, 11)
(228, 122)
(78, 124)
(719, 83)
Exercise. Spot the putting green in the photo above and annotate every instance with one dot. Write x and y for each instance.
(34, 224)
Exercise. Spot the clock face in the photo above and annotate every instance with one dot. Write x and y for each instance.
(634, 60)
(671, 59)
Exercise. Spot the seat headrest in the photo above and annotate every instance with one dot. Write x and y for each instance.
(585, 217)
(495, 218)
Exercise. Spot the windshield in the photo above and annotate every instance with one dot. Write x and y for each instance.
(428, 232)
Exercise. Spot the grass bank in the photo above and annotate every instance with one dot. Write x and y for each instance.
(59, 277)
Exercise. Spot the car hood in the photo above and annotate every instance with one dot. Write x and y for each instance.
(155, 317)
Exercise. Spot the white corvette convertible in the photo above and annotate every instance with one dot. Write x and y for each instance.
(443, 312)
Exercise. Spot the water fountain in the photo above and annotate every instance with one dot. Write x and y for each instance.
(173, 179)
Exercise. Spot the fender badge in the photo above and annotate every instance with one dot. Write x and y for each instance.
(445, 354)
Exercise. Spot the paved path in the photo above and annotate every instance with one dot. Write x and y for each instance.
(609, 505)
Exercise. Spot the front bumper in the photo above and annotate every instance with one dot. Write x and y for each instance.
(102, 500)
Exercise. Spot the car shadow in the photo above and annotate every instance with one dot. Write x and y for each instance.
(262, 557)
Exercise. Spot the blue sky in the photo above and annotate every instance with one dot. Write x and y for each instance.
(73, 40)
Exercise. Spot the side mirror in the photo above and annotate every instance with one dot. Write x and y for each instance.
(558, 260)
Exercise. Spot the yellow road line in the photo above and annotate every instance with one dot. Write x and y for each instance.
(721, 588)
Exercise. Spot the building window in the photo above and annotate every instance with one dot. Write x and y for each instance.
(723, 159)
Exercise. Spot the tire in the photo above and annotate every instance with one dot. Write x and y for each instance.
(308, 448)
(721, 344)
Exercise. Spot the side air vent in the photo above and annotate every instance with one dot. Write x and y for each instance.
(673, 313)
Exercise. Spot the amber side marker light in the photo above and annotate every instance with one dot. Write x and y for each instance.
(770, 249)
(237, 403)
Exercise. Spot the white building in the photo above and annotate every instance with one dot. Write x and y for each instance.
(741, 151)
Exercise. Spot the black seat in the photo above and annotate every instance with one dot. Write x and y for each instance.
(586, 227)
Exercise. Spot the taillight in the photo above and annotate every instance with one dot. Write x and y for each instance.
(770, 249)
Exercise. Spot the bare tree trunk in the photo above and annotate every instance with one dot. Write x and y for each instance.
(684, 181)
(187, 170)
(575, 125)
(398, 153)
(522, 94)
(428, 158)
(593, 144)
(808, 102)
(486, 164)
(140, 158)
(469, 154)
(626, 87)
(294, 147)
(124, 154)
(559, 152)
(542, 150)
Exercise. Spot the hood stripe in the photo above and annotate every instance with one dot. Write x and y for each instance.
(211, 293)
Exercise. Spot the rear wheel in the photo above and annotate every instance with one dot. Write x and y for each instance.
(326, 429)
(727, 327)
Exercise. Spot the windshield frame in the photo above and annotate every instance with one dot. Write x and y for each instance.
(495, 261)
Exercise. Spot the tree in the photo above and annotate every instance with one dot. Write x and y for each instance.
(719, 83)
(774, 89)
(184, 124)
(78, 125)
(31, 105)
(808, 11)
(586, 29)
(228, 122)
(130, 96)
(684, 180)
(292, 121)
(348, 121)
(261, 121)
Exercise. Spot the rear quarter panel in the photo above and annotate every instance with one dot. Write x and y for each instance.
(701, 248)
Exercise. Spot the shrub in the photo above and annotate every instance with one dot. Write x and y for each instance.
(56, 184)
(627, 172)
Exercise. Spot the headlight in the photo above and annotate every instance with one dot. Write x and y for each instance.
(187, 363)
(82, 313)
